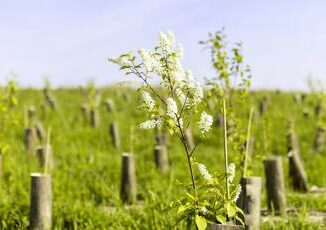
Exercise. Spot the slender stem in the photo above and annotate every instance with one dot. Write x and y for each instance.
(184, 142)
(184, 103)
(47, 149)
(247, 143)
(137, 73)
(226, 164)
(193, 150)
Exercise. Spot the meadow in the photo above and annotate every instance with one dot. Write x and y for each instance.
(87, 167)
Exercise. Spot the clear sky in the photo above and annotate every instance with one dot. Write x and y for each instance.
(284, 41)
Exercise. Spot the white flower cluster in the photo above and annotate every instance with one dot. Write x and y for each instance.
(172, 108)
(205, 123)
(237, 195)
(148, 101)
(231, 170)
(122, 60)
(204, 172)
(150, 124)
(165, 63)
(172, 111)
(167, 41)
(150, 63)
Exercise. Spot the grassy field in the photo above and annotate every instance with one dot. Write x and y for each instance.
(86, 175)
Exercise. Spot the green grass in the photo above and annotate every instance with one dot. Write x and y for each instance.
(86, 176)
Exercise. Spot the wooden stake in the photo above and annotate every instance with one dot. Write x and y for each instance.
(128, 179)
(297, 172)
(161, 139)
(319, 139)
(276, 196)
(110, 105)
(42, 154)
(94, 118)
(161, 158)
(319, 110)
(40, 132)
(85, 112)
(30, 139)
(250, 201)
(41, 202)
(115, 135)
(263, 105)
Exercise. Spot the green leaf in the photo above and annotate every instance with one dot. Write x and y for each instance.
(221, 218)
(124, 67)
(181, 209)
(200, 222)
(230, 209)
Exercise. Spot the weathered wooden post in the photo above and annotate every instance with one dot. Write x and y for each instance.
(292, 139)
(161, 158)
(41, 202)
(115, 135)
(161, 139)
(263, 105)
(43, 110)
(189, 139)
(276, 197)
(250, 201)
(319, 109)
(128, 192)
(109, 103)
(45, 156)
(94, 118)
(297, 98)
(30, 139)
(40, 132)
(85, 112)
(31, 113)
(297, 172)
(126, 96)
(219, 120)
(51, 101)
(305, 113)
(319, 139)
(303, 97)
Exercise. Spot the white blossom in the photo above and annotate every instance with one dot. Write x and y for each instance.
(122, 60)
(182, 98)
(198, 94)
(150, 63)
(231, 171)
(179, 50)
(167, 41)
(203, 209)
(204, 172)
(237, 195)
(148, 101)
(172, 108)
(205, 123)
(188, 76)
(150, 124)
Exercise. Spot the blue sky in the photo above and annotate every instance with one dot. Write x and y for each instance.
(284, 41)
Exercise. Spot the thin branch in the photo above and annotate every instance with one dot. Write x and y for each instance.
(225, 150)
(193, 150)
(184, 104)
(247, 142)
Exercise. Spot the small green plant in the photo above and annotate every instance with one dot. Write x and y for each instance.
(232, 83)
(177, 113)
